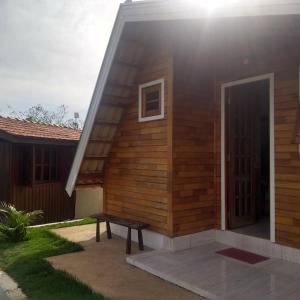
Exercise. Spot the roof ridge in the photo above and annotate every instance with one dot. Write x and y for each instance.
(39, 122)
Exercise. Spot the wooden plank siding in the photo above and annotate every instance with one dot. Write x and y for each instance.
(193, 187)
(167, 172)
(287, 157)
(136, 175)
(281, 58)
(278, 56)
(49, 197)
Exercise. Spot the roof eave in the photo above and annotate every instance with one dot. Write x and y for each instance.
(96, 98)
(36, 140)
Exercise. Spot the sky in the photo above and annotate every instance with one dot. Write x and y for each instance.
(51, 52)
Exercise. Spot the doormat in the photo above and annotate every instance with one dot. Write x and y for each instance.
(245, 256)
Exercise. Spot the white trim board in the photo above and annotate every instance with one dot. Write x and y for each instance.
(96, 99)
(144, 11)
(160, 241)
(269, 77)
(257, 245)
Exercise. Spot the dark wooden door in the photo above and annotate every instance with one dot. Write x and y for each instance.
(242, 138)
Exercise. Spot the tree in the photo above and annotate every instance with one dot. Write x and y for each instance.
(40, 114)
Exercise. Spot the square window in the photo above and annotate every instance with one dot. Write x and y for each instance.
(46, 164)
(151, 100)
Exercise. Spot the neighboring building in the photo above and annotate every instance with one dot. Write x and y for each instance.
(193, 126)
(35, 160)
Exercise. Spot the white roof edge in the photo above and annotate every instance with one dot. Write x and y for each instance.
(155, 11)
(183, 9)
(96, 98)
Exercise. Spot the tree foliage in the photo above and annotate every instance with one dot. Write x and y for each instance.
(40, 114)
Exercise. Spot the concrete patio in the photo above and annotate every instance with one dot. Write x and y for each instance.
(103, 267)
(200, 270)
(214, 276)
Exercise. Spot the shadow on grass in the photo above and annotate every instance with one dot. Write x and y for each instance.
(25, 262)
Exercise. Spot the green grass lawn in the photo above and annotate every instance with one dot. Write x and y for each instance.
(25, 262)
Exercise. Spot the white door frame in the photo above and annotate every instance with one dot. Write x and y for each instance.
(269, 77)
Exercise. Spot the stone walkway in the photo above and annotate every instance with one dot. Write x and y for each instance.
(103, 267)
(9, 289)
(214, 276)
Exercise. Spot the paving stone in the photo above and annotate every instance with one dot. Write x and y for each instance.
(9, 288)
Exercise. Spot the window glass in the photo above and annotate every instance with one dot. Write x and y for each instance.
(151, 100)
(152, 95)
(53, 157)
(25, 160)
(152, 106)
(46, 156)
(53, 173)
(38, 173)
(38, 155)
(46, 164)
(46, 173)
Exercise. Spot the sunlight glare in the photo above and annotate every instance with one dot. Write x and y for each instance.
(210, 5)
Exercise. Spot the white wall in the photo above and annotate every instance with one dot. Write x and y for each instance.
(88, 201)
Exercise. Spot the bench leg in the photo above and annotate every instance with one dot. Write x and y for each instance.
(108, 231)
(98, 231)
(128, 242)
(140, 236)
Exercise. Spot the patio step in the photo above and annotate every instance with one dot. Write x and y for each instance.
(202, 271)
(258, 245)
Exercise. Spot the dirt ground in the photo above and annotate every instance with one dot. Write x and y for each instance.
(103, 267)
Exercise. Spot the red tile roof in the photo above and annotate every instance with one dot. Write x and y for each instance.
(22, 128)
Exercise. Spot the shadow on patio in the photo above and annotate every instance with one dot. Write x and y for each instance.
(103, 267)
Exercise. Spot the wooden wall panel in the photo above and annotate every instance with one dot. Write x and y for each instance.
(281, 58)
(232, 57)
(177, 189)
(51, 197)
(287, 163)
(193, 181)
(194, 198)
(136, 176)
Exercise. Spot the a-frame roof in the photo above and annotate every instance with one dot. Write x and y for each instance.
(104, 119)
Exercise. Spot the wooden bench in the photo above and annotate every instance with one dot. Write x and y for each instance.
(130, 224)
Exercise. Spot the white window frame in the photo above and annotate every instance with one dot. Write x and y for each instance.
(160, 81)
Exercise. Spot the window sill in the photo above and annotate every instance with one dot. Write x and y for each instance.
(152, 118)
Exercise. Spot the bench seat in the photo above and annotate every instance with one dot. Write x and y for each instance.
(130, 224)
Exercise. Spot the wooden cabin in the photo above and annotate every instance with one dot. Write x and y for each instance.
(35, 160)
(193, 126)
